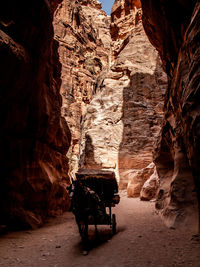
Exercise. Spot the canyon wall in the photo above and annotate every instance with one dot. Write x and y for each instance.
(173, 28)
(124, 116)
(112, 88)
(83, 32)
(34, 137)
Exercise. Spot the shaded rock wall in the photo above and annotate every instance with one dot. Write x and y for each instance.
(124, 117)
(176, 36)
(82, 30)
(34, 136)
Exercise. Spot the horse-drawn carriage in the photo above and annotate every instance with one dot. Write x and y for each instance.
(93, 195)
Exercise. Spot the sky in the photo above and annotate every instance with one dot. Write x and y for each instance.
(107, 5)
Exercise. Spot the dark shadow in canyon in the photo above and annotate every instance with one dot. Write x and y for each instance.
(34, 136)
(142, 102)
(87, 157)
(104, 236)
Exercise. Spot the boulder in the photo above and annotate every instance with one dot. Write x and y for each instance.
(137, 180)
(150, 187)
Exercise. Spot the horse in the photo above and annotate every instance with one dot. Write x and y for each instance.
(87, 207)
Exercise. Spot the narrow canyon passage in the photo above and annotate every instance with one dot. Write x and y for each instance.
(82, 91)
(141, 240)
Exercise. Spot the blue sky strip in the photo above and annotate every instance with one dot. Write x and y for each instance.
(107, 5)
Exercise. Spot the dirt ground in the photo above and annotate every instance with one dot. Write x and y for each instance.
(141, 240)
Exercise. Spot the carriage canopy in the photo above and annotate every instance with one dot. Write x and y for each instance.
(102, 182)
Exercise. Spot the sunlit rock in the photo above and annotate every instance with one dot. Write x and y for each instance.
(150, 188)
(83, 32)
(124, 117)
(137, 179)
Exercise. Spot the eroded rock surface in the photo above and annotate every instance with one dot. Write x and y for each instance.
(83, 32)
(176, 36)
(34, 136)
(150, 188)
(137, 180)
(124, 117)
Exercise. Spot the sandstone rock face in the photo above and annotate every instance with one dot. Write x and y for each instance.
(137, 180)
(125, 16)
(150, 188)
(177, 154)
(34, 136)
(165, 27)
(124, 116)
(83, 32)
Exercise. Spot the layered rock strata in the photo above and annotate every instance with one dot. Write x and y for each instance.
(177, 155)
(124, 117)
(83, 32)
(34, 136)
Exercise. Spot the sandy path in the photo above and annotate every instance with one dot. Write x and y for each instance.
(142, 240)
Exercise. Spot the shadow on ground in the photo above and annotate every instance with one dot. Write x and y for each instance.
(103, 238)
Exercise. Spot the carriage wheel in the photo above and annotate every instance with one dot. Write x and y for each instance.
(114, 231)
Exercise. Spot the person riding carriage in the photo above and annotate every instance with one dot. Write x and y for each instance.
(90, 195)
